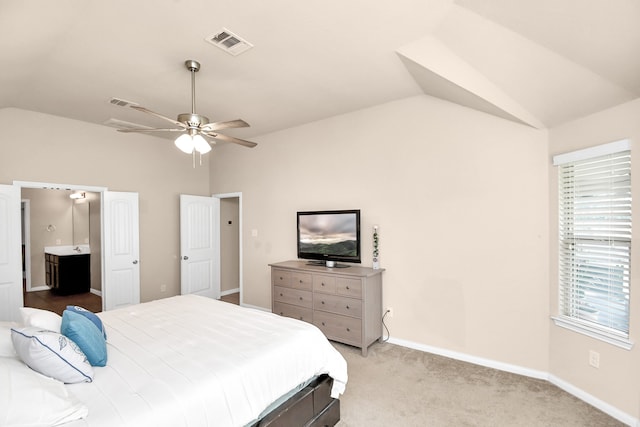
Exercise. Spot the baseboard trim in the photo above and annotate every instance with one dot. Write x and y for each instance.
(38, 288)
(96, 292)
(229, 292)
(594, 401)
(532, 373)
(489, 363)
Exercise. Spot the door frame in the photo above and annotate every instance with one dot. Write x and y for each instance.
(74, 187)
(25, 217)
(237, 195)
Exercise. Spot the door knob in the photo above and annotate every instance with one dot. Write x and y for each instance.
(135, 261)
(185, 257)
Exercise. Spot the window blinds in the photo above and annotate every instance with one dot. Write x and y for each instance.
(595, 240)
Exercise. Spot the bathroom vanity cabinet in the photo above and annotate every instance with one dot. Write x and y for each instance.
(68, 274)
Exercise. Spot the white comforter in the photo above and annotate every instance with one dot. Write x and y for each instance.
(194, 361)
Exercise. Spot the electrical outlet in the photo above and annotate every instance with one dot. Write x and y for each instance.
(594, 359)
(389, 311)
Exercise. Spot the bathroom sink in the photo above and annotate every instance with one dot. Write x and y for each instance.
(67, 250)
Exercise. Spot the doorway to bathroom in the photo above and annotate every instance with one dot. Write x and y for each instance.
(62, 221)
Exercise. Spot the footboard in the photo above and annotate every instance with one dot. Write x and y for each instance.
(312, 406)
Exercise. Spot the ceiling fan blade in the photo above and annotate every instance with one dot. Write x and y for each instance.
(153, 113)
(227, 138)
(151, 130)
(239, 123)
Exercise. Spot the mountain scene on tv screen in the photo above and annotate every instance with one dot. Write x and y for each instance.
(328, 235)
(347, 248)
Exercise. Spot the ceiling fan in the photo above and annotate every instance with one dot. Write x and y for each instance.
(194, 127)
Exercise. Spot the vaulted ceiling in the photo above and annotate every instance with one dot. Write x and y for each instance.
(537, 62)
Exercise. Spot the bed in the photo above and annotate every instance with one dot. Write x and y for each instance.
(194, 361)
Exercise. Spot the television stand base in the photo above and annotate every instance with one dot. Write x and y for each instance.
(328, 264)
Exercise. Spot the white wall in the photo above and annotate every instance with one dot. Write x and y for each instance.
(461, 201)
(617, 381)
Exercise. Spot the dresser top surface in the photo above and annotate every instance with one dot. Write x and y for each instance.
(351, 270)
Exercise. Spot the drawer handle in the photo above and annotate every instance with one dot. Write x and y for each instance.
(301, 281)
(348, 330)
(322, 323)
(347, 288)
(322, 284)
(281, 294)
(300, 298)
(347, 307)
(281, 278)
(281, 314)
(322, 302)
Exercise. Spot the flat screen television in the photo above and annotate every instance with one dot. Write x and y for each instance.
(329, 236)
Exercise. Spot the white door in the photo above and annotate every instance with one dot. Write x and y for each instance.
(199, 269)
(120, 238)
(10, 253)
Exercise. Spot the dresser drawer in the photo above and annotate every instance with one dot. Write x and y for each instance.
(292, 296)
(322, 283)
(349, 287)
(281, 277)
(340, 328)
(337, 304)
(301, 281)
(291, 279)
(294, 311)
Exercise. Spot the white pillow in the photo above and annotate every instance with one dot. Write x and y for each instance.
(44, 319)
(6, 346)
(30, 399)
(52, 354)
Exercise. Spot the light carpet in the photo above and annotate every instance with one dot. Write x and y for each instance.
(397, 386)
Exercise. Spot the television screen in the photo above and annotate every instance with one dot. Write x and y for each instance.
(329, 235)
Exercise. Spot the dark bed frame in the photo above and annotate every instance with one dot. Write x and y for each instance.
(312, 406)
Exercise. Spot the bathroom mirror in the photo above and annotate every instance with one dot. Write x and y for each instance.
(80, 213)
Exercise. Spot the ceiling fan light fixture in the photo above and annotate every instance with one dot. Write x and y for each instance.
(200, 144)
(194, 126)
(185, 143)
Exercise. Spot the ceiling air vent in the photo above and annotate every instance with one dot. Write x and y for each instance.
(229, 42)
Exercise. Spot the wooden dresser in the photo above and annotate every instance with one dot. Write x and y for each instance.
(344, 303)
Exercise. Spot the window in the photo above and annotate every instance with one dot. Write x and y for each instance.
(595, 241)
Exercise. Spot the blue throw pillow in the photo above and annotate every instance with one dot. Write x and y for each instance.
(89, 315)
(86, 335)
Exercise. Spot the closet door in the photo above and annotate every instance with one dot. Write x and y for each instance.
(199, 269)
(10, 253)
(121, 246)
